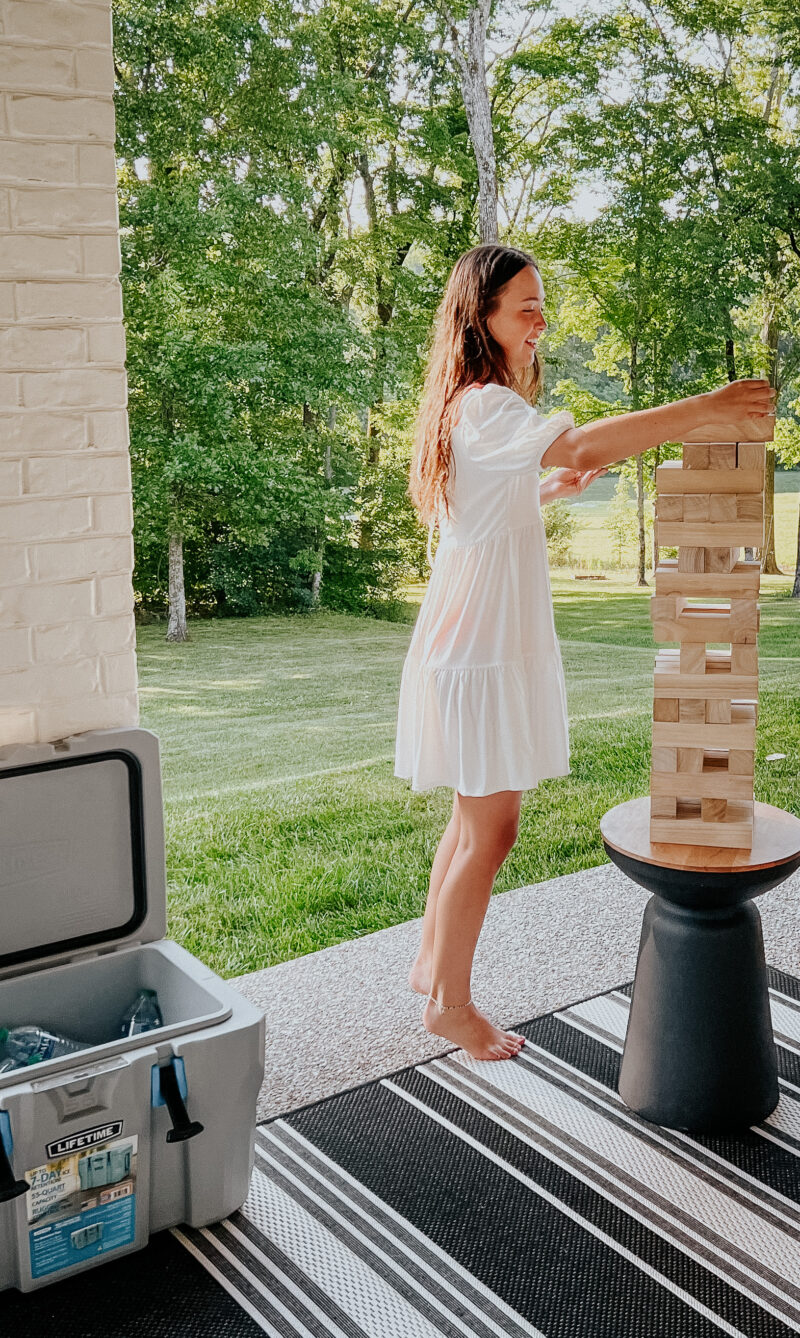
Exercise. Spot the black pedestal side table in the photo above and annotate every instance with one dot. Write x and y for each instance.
(699, 1051)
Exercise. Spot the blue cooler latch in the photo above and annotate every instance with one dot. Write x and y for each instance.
(9, 1187)
(169, 1088)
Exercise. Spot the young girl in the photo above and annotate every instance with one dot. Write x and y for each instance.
(482, 702)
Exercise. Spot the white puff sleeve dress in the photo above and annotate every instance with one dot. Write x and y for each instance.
(482, 700)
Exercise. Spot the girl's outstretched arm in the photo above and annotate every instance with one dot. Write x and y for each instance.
(741, 410)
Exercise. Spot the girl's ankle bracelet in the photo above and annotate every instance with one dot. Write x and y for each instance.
(446, 1008)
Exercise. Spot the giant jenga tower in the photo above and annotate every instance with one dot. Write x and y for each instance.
(706, 692)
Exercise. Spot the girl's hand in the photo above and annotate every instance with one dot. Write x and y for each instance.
(569, 482)
(741, 400)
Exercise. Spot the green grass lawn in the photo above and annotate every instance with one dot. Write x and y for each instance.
(287, 830)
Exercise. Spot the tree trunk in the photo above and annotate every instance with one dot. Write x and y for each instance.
(176, 622)
(316, 579)
(769, 561)
(796, 585)
(471, 60)
(641, 574)
(769, 336)
(371, 462)
(730, 365)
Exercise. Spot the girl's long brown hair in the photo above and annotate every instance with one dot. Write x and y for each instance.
(463, 352)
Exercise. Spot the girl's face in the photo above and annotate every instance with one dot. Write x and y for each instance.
(517, 322)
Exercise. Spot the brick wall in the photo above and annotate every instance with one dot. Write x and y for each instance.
(67, 660)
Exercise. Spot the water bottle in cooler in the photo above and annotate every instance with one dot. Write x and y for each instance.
(30, 1045)
(144, 1014)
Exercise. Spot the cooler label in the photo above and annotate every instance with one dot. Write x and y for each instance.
(82, 1204)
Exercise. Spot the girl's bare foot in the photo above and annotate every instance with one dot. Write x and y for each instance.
(472, 1031)
(419, 977)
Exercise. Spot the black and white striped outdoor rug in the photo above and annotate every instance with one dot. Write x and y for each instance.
(520, 1197)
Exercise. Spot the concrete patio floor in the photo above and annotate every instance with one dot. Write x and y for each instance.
(346, 1015)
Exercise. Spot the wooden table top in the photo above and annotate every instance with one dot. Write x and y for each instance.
(776, 838)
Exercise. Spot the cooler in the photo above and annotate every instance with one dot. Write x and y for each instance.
(102, 1147)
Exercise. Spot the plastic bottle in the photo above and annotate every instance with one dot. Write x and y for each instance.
(29, 1045)
(144, 1014)
(8, 1065)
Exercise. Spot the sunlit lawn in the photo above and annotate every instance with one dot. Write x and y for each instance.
(287, 829)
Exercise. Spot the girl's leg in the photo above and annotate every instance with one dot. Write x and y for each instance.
(419, 977)
(488, 830)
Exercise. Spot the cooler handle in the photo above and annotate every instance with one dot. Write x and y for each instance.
(168, 1089)
(9, 1187)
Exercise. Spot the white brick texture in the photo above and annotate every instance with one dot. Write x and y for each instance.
(67, 637)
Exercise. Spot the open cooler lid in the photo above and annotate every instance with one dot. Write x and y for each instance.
(82, 863)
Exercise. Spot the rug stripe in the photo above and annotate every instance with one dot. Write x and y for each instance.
(268, 1256)
(558, 1127)
(453, 1285)
(297, 1307)
(411, 1311)
(239, 1287)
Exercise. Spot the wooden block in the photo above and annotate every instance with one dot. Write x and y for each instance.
(722, 457)
(708, 624)
(696, 506)
(704, 534)
(667, 734)
(663, 806)
(665, 708)
(744, 619)
(742, 580)
(744, 659)
(751, 455)
(721, 559)
(718, 711)
(735, 831)
(711, 810)
(692, 657)
(741, 761)
(695, 457)
(723, 508)
(689, 559)
(690, 760)
(712, 686)
(744, 429)
(750, 506)
(742, 712)
(715, 783)
(664, 759)
(669, 507)
(691, 708)
(713, 481)
(666, 831)
(665, 606)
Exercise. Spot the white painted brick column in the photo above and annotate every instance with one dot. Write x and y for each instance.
(67, 659)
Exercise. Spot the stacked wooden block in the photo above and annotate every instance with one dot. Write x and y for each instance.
(706, 691)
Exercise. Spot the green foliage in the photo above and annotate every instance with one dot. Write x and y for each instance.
(296, 180)
(621, 522)
(559, 528)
